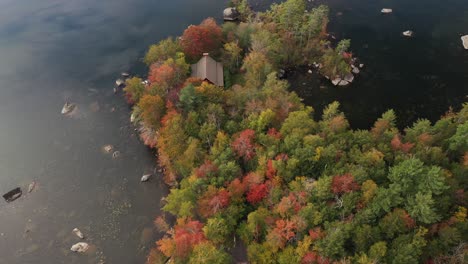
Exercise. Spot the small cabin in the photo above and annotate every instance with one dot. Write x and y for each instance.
(209, 70)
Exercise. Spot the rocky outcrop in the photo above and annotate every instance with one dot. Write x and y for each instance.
(465, 41)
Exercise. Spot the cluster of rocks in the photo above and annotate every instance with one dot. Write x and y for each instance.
(79, 247)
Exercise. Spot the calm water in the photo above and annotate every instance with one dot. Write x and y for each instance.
(54, 50)
(418, 77)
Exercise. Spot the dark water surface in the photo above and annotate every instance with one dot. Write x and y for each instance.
(54, 50)
(418, 77)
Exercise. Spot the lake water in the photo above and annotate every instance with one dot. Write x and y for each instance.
(55, 50)
(52, 51)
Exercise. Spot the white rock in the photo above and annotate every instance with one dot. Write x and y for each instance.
(343, 83)
(336, 81)
(309, 71)
(119, 82)
(145, 177)
(31, 186)
(78, 233)
(356, 70)
(107, 148)
(132, 117)
(349, 78)
(386, 10)
(465, 41)
(125, 74)
(67, 108)
(408, 33)
(80, 247)
(361, 65)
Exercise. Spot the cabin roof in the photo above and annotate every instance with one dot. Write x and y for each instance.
(209, 69)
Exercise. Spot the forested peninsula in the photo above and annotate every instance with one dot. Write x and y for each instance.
(247, 163)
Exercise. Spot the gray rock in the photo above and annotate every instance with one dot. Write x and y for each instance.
(68, 108)
(465, 41)
(408, 33)
(31, 186)
(145, 177)
(78, 233)
(231, 14)
(386, 10)
(80, 247)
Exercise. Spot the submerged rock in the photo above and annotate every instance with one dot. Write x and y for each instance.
(13, 194)
(408, 33)
(80, 247)
(31, 186)
(68, 108)
(145, 177)
(386, 10)
(465, 41)
(125, 74)
(107, 148)
(78, 233)
(116, 154)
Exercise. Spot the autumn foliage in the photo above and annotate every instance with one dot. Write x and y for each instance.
(204, 38)
(342, 184)
(187, 234)
(250, 161)
(244, 145)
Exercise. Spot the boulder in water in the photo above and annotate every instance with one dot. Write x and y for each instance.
(336, 81)
(125, 74)
(465, 41)
(386, 10)
(231, 14)
(31, 186)
(68, 108)
(119, 82)
(355, 69)
(13, 194)
(145, 177)
(107, 148)
(349, 78)
(408, 33)
(78, 233)
(116, 154)
(80, 247)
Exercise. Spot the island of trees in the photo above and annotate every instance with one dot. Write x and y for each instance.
(247, 163)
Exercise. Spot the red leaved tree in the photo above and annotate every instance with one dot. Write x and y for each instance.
(343, 184)
(244, 145)
(312, 257)
(257, 193)
(212, 201)
(187, 234)
(163, 76)
(207, 169)
(206, 37)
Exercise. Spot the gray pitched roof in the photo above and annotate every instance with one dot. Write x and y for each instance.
(209, 69)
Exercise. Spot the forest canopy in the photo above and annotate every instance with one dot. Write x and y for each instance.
(247, 163)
